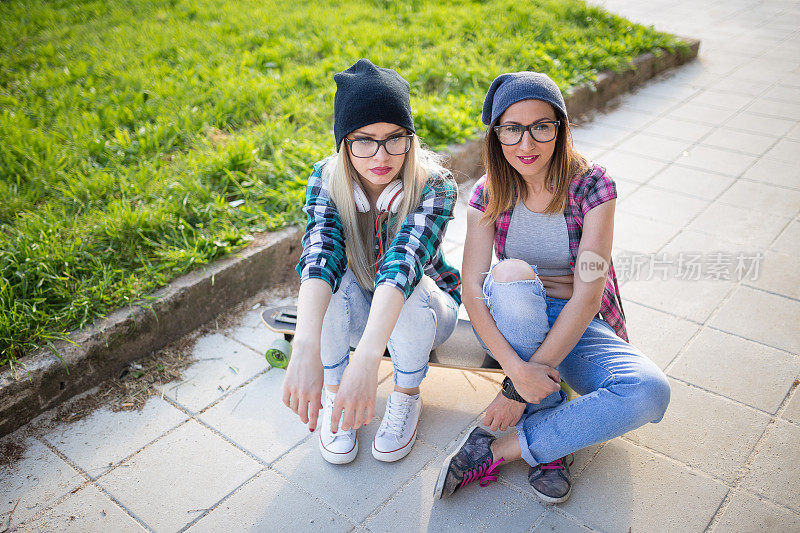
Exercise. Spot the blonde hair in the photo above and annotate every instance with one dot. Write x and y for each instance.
(359, 228)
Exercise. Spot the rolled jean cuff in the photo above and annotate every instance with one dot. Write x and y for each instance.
(410, 380)
(548, 404)
(332, 375)
(523, 445)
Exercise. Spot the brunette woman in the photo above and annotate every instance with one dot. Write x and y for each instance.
(550, 309)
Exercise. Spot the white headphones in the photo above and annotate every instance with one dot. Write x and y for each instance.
(388, 201)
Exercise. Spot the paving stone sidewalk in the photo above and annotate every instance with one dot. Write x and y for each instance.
(707, 162)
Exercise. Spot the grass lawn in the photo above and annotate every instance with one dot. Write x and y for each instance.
(141, 139)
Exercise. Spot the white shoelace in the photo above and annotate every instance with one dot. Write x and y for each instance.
(394, 421)
(341, 434)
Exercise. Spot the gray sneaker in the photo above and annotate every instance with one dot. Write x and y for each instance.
(472, 461)
(552, 482)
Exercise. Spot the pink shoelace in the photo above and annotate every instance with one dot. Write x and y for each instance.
(558, 464)
(485, 473)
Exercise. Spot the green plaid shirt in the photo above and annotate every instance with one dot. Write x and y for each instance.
(416, 248)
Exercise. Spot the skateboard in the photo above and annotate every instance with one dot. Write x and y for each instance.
(462, 350)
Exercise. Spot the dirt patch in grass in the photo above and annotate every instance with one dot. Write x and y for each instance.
(217, 137)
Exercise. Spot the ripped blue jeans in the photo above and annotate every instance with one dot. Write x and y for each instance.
(428, 318)
(621, 389)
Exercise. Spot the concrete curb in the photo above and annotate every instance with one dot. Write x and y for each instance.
(103, 350)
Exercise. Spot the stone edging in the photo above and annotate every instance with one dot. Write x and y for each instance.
(103, 350)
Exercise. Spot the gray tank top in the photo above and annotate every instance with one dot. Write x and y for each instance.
(540, 240)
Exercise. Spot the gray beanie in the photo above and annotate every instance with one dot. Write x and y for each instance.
(513, 87)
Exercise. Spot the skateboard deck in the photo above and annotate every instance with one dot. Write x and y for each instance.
(462, 350)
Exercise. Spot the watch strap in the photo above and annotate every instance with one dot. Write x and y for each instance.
(510, 392)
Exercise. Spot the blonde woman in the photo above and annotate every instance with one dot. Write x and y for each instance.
(373, 275)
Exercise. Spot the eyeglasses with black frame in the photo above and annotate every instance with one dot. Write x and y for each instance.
(543, 131)
(366, 147)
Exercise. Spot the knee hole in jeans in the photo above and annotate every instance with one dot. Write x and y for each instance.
(510, 270)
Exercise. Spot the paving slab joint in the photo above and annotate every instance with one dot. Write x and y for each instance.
(744, 469)
(89, 481)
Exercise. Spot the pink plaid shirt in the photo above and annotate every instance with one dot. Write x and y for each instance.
(585, 192)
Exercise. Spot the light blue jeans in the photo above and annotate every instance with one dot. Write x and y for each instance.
(428, 318)
(621, 389)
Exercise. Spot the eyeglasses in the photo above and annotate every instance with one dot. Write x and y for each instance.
(543, 132)
(369, 147)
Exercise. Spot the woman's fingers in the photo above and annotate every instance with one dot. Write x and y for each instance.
(347, 412)
(348, 419)
(313, 414)
(493, 421)
(556, 380)
(286, 396)
(336, 415)
(354, 414)
(343, 410)
(358, 416)
(302, 410)
(306, 405)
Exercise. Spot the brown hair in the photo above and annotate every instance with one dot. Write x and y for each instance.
(505, 185)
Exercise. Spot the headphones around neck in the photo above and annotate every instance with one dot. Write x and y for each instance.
(388, 201)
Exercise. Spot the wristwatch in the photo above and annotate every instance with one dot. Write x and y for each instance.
(510, 392)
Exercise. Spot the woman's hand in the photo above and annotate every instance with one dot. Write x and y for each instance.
(355, 400)
(302, 386)
(534, 381)
(503, 413)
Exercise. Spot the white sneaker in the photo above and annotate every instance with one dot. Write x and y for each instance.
(340, 447)
(398, 429)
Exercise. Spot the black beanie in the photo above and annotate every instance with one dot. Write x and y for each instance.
(366, 94)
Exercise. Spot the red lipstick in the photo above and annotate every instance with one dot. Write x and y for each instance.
(528, 160)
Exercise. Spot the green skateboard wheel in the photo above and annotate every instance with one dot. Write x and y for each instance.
(571, 394)
(279, 353)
